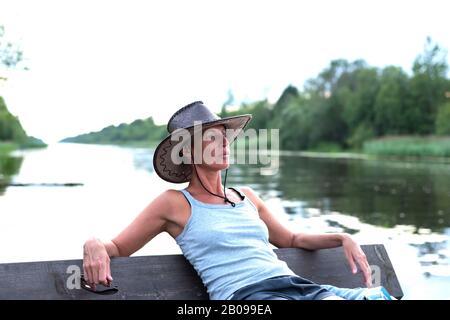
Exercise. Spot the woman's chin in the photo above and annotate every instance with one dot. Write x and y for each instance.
(221, 166)
(215, 166)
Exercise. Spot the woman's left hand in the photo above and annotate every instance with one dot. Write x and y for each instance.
(355, 256)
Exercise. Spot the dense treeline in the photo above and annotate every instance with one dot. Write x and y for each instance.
(138, 131)
(352, 102)
(348, 105)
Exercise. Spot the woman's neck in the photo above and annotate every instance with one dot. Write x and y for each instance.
(211, 180)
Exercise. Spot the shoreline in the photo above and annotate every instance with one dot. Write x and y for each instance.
(349, 155)
(8, 147)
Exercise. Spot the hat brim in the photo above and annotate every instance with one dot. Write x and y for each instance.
(180, 173)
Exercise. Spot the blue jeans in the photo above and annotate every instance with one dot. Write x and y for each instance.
(298, 288)
(282, 288)
(346, 293)
(375, 293)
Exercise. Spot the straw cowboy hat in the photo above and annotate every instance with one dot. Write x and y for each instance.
(184, 118)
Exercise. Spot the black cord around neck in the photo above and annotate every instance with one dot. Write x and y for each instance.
(233, 204)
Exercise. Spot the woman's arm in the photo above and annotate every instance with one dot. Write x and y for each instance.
(317, 241)
(281, 237)
(149, 223)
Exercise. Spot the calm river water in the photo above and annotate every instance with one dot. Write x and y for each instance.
(404, 205)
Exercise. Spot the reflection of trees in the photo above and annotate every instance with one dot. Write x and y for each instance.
(377, 192)
(9, 166)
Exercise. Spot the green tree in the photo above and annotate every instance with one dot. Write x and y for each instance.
(342, 97)
(443, 120)
(392, 102)
(262, 114)
(349, 103)
(428, 87)
(296, 125)
(281, 109)
(356, 96)
(10, 128)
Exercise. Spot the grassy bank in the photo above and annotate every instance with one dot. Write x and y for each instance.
(409, 146)
(427, 148)
(133, 144)
(6, 147)
(400, 147)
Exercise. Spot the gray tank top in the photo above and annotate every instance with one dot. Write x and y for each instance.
(228, 246)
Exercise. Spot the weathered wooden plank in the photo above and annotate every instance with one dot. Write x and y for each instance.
(172, 277)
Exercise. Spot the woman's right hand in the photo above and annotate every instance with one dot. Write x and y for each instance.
(96, 263)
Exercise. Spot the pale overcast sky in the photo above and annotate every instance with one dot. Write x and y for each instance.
(95, 63)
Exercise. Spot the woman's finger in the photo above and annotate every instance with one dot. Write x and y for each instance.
(351, 262)
(369, 275)
(87, 268)
(91, 274)
(94, 268)
(362, 262)
(85, 273)
(102, 273)
(109, 278)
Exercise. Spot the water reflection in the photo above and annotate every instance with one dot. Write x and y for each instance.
(378, 192)
(405, 205)
(9, 166)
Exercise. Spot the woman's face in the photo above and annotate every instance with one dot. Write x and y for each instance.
(215, 148)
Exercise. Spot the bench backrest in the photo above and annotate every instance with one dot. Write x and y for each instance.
(172, 276)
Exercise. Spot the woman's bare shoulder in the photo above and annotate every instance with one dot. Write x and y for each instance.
(171, 199)
(249, 192)
(171, 194)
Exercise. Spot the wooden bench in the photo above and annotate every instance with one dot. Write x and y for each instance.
(172, 277)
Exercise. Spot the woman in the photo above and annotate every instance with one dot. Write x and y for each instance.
(224, 233)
